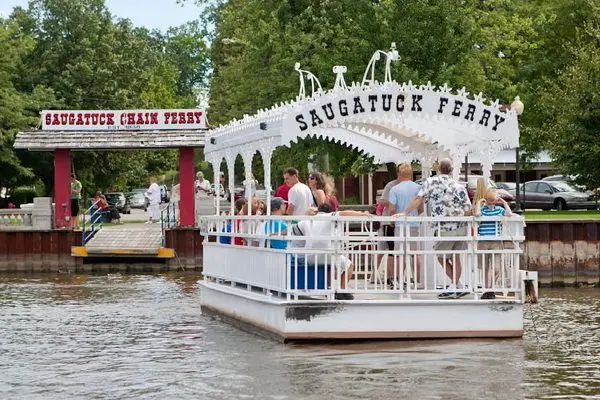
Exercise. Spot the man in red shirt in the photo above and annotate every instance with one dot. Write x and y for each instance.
(282, 191)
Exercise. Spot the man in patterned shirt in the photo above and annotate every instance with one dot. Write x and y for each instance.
(446, 198)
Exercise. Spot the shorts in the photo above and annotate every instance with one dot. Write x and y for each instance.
(450, 244)
(74, 207)
(414, 232)
(386, 231)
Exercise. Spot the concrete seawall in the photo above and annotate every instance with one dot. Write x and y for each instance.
(565, 253)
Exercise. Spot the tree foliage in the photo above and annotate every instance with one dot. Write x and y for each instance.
(542, 50)
(73, 54)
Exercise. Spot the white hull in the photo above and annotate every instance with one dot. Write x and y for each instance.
(364, 319)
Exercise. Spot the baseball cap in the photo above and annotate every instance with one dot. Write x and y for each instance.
(277, 202)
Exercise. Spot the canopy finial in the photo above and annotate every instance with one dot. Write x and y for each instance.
(391, 55)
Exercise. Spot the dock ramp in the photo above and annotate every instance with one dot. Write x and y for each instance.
(130, 240)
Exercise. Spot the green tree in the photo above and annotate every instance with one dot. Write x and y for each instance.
(18, 109)
(78, 51)
(571, 107)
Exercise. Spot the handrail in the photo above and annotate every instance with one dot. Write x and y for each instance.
(170, 209)
(95, 223)
(486, 267)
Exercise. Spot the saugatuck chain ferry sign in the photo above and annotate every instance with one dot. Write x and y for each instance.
(107, 120)
(356, 105)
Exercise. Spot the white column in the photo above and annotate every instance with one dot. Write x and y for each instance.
(266, 155)
(216, 166)
(247, 157)
(456, 163)
(370, 187)
(425, 169)
(361, 187)
(230, 160)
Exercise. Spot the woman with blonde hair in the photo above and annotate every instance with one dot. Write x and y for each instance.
(330, 192)
(480, 191)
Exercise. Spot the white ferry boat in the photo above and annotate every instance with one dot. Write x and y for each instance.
(296, 292)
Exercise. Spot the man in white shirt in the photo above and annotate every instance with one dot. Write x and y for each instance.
(300, 197)
(153, 195)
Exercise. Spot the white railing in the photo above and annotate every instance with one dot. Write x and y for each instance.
(489, 263)
(16, 218)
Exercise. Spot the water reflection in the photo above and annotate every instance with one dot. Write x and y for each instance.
(187, 282)
(128, 336)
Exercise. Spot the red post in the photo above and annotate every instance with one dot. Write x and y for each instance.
(62, 188)
(187, 211)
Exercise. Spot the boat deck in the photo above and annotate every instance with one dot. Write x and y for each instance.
(370, 293)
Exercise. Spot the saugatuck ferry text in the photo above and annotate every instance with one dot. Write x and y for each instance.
(400, 102)
(123, 119)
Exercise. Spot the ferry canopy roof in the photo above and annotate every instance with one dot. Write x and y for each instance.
(394, 122)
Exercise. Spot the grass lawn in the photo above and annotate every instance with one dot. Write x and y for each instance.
(564, 215)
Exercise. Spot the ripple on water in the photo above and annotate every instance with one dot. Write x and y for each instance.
(130, 337)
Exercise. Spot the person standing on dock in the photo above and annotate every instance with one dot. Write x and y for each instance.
(75, 199)
(201, 186)
(447, 198)
(300, 197)
(153, 195)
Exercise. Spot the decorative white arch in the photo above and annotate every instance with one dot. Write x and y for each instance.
(386, 120)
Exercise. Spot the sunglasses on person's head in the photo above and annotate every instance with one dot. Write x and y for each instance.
(311, 177)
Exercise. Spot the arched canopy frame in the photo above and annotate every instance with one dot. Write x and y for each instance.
(386, 120)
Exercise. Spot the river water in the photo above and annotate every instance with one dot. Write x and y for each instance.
(132, 337)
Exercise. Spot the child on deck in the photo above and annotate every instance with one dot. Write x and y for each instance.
(488, 207)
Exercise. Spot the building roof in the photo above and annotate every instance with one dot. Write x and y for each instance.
(108, 140)
(508, 157)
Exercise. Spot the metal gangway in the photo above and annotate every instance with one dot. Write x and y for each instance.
(100, 239)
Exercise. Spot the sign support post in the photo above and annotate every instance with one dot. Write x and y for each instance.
(62, 188)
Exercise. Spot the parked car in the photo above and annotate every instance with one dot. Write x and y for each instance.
(559, 178)
(137, 200)
(143, 192)
(472, 186)
(119, 201)
(570, 179)
(238, 192)
(555, 195)
(165, 194)
(508, 186)
(223, 191)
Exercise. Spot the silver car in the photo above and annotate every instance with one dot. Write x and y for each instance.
(555, 195)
